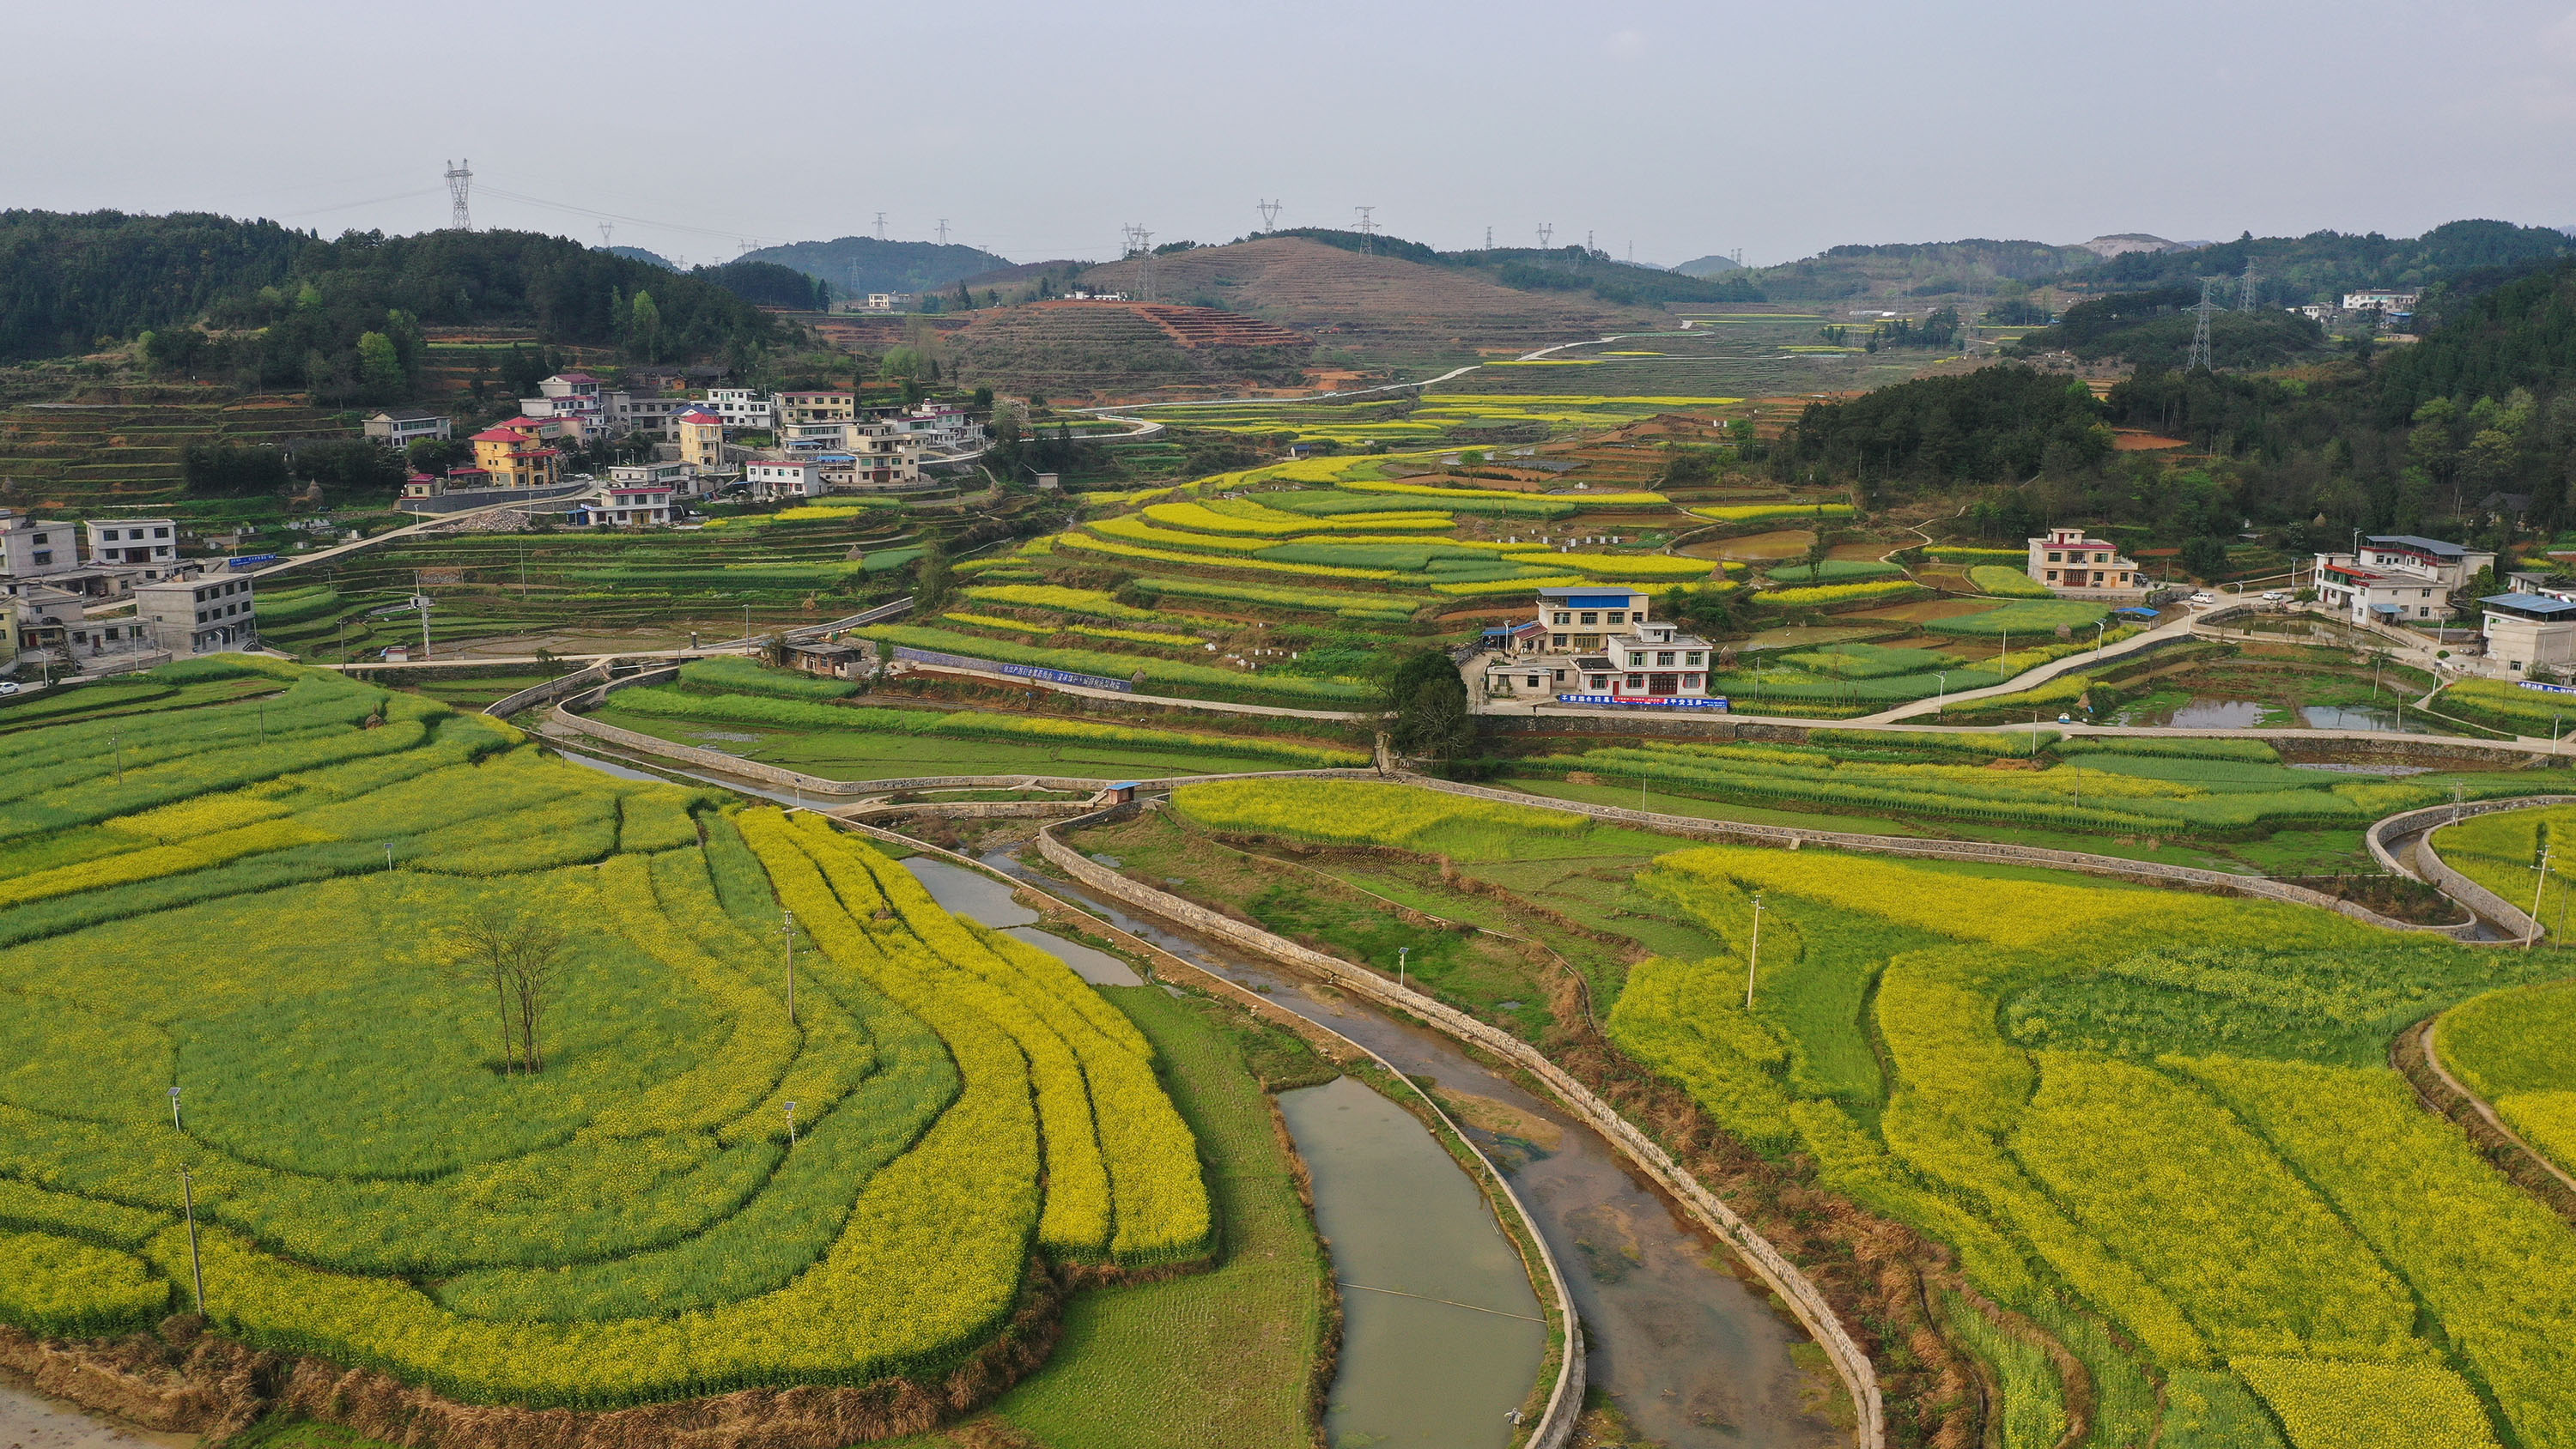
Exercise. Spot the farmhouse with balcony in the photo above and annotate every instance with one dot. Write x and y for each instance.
(2071, 565)
(2397, 578)
(1597, 644)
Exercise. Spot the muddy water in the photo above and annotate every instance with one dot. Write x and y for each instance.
(980, 897)
(1694, 1357)
(1441, 1332)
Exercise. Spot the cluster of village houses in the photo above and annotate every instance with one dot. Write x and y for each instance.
(1601, 645)
(818, 441)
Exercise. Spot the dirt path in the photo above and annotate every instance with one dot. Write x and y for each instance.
(29, 1420)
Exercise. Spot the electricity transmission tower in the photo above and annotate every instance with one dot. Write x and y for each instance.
(2245, 292)
(1544, 232)
(1489, 238)
(1269, 215)
(1140, 245)
(943, 231)
(460, 180)
(880, 226)
(1368, 230)
(607, 229)
(2200, 354)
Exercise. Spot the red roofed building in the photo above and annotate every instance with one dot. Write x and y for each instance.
(701, 435)
(515, 455)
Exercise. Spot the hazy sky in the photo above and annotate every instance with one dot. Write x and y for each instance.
(1683, 128)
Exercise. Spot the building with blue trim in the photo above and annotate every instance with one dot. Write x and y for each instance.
(1599, 642)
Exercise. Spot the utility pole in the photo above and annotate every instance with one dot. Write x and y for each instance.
(1753, 957)
(1269, 215)
(2546, 845)
(787, 931)
(196, 1265)
(1368, 231)
(460, 181)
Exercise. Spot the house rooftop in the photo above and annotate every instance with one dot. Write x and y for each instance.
(408, 415)
(1589, 591)
(2413, 544)
(2538, 606)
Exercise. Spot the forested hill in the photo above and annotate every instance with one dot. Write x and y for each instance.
(767, 284)
(862, 264)
(2320, 267)
(2470, 428)
(1547, 269)
(68, 281)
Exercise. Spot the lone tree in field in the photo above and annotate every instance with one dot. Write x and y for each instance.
(520, 955)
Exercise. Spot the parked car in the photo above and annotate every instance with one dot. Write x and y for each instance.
(2203, 600)
(2276, 597)
(8, 687)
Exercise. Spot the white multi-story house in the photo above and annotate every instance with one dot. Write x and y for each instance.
(943, 426)
(680, 478)
(823, 406)
(629, 412)
(2397, 578)
(34, 547)
(784, 478)
(2394, 303)
(2069, 563)
(626, 505)
(740, 407)
(401, 427)
(2532, 629)
(1597, 644)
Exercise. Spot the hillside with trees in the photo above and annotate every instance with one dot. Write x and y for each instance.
(2156, 329)
(1914, 269)
(856, 265)
(2468, 432)
(1546, 269)
(2317, 269)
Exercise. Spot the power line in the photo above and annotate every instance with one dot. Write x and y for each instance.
(460, 180)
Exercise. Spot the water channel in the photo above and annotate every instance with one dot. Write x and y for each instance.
(1694, 1357)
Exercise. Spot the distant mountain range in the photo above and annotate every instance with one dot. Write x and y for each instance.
(860, 264)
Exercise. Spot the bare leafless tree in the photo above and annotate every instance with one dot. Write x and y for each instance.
(520, 955)
(536, 959)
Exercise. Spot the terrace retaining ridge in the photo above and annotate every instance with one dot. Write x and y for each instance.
(1802, 1296)
(2108, 865)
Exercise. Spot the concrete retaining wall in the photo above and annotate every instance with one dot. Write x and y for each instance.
(1784, 1278)
(555, 688)
(1791, 838)
(2429, 868)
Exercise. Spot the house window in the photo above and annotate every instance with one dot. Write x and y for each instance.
(2055, 557)
(1593, 618)
(1559, 676)
(1601, 681)
(44, 556)
(1664, 657)
(1556, 641)
(1636, 681)
(1615, 616)
(1533, 679)
(1695, 657)
(1636, 661)
(1562, 617)
(2052, 576)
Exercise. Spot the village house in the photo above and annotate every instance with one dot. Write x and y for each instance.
(2397, 578)
(516, 454)
(1598, 644)
(401, 427)
(2068, 563)
(197, 616)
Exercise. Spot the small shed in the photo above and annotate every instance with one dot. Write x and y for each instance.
(832, 661)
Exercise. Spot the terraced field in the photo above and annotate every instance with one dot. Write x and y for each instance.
(89, 461)
(488, 1077)
(2158, 1130)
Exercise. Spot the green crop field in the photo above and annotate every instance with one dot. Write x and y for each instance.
(2157, 1127)
(486, 1066)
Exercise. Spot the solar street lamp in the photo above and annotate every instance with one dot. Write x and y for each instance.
(1401, 952)
(791, 1126)
(787, 932)
(174, 1111)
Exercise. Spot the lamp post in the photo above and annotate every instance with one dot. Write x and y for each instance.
(1753, 956)
(2097, 634)
(1401, 953)
(119, 742)
(791, 1126)
(175, 1123)
(1941, 690)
